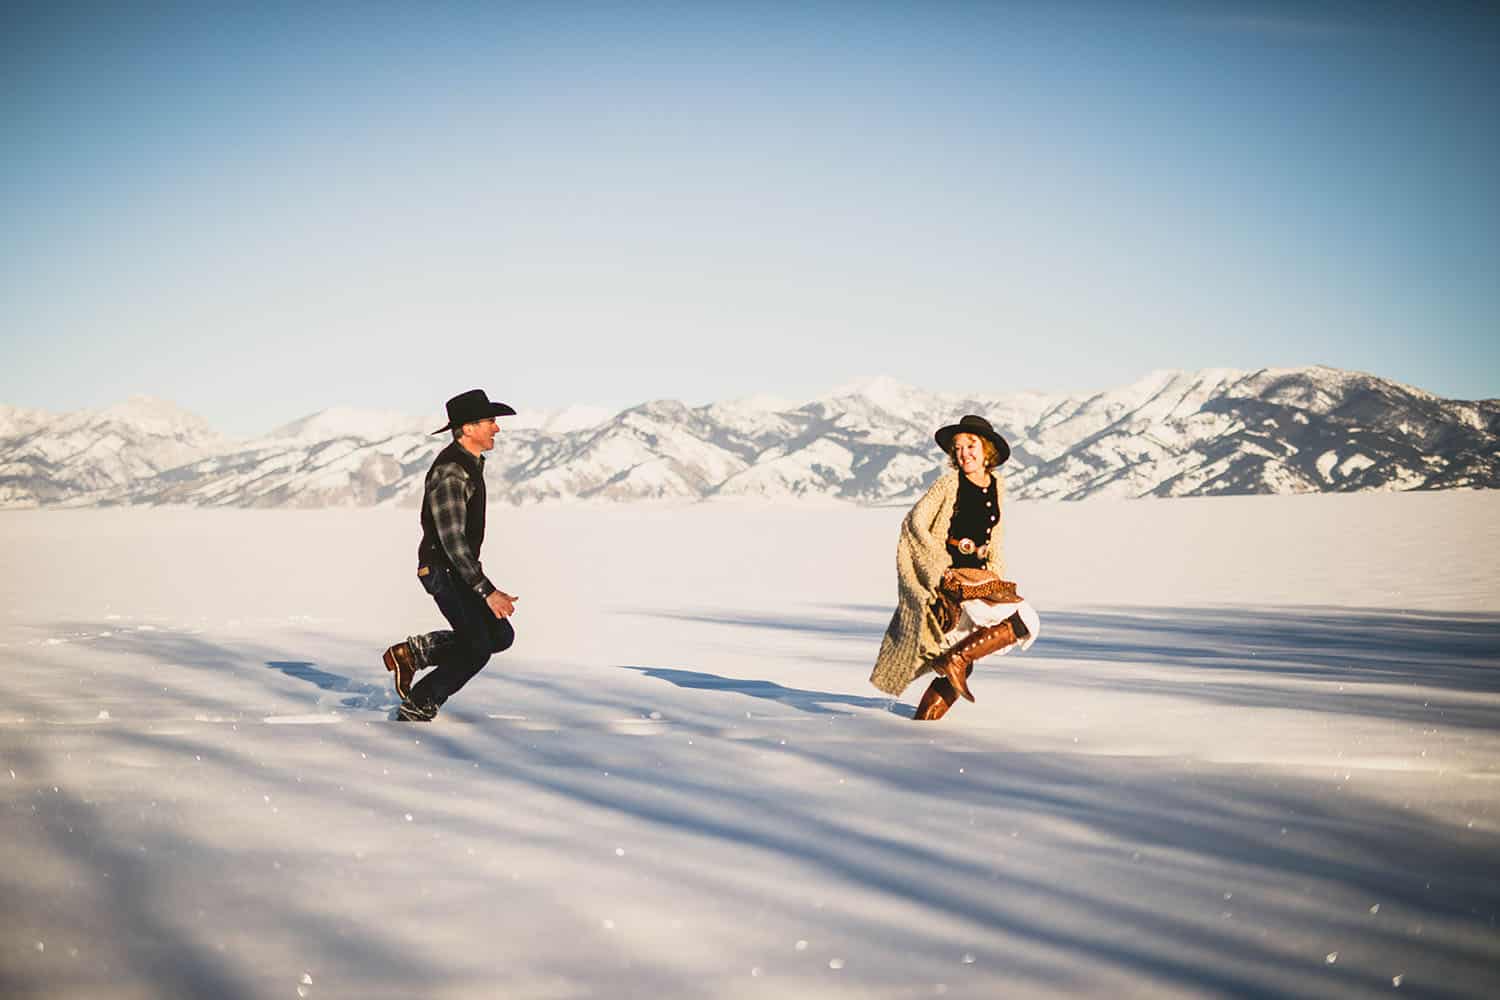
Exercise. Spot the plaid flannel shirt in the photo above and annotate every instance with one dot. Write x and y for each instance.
(448, 499)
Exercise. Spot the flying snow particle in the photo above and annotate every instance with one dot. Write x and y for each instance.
(609, 925)
(968, 958)
(41, 946)
(801, 946)
(408, 817)
(619, 852)
(1396, 981)
(103, 713)
(754, 969)
(1375, 908)
(1332, 957)
(307, 979)
(835, 963)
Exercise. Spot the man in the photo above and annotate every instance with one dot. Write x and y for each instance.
(448, 567)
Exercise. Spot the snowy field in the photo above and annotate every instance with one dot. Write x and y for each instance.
(1256, 751)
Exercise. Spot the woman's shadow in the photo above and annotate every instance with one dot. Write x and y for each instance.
(802, 699)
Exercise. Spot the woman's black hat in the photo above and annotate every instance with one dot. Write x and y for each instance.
(970, 424)
(468, 407)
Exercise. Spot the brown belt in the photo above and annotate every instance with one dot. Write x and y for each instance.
(968, 548)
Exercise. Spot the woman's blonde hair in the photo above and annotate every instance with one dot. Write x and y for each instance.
(991, 453)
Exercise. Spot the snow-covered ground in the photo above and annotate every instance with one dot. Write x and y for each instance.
(1256, 751)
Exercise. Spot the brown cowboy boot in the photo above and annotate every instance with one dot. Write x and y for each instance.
(402, 662)
(956, 663)
(935, 703)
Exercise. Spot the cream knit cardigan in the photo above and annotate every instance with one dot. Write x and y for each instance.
(914, 637)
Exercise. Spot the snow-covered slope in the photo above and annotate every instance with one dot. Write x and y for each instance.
(1171, 433)
(97, 455)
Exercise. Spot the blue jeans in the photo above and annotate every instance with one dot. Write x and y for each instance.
(458, 655)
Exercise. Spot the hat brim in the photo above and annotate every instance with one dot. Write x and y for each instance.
(496, 410)
(945, 436)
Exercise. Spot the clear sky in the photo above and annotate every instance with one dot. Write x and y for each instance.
(258, 211)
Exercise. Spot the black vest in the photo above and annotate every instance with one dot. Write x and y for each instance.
(430, 551)
(975, 514)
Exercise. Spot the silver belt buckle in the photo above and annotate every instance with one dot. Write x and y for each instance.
(966, 546)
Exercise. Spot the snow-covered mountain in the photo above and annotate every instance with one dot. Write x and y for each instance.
(1171, 433)
(50, 458)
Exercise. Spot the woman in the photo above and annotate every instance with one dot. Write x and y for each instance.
(955, 526)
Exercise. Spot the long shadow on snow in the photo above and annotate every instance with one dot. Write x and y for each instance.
(802, 699)
(1258, 657)
(169, 649)
(129, 923)
(366, 696)
(1216, 833)
(841, 627)
(132, 927)
(1456, 652)
(1196, 833)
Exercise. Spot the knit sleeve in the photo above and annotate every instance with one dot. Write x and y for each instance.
(920, 530)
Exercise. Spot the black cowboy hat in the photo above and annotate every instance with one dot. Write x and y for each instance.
(970, 424)
(468, 407)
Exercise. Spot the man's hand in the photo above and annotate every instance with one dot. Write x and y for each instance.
(501, 603)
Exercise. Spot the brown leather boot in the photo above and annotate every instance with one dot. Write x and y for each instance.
(935, 703)
(402, 662)
(957, 662)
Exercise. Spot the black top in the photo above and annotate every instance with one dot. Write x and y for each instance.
(976, 511)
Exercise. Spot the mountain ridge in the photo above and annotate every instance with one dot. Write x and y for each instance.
(1168, 433)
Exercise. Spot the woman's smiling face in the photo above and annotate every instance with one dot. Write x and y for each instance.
(968, 452)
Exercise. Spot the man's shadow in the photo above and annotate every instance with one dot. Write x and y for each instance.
(360, 695)
(802, 699)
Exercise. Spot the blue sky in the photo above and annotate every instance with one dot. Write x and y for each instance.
(258, 211)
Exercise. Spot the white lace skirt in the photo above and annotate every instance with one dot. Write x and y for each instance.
(980, 614)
